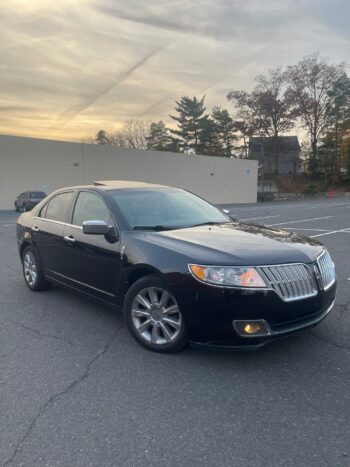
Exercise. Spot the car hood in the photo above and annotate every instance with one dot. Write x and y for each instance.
(238, 243)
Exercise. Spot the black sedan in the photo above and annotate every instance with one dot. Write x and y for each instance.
(180, 269)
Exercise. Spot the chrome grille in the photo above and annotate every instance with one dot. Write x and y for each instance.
(326, 267)
(290, 281)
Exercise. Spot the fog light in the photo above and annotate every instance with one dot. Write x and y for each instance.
(256, 328)
(252, 328)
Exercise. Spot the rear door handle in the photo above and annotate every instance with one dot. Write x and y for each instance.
(35, 229)
(69, 238)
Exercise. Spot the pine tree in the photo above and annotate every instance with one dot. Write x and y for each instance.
(226, 130)
(191, 120)
(158, 138)
(102, 137)
(209, 139)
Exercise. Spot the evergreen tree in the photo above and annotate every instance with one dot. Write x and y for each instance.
(158, 138)
(102, 137)
(210, 144)
(226, 130)
(191, 120)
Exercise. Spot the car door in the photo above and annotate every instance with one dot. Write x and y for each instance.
(92, 261)
(47, 233)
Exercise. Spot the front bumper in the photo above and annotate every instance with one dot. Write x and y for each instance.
(272, 336)
(209, 313)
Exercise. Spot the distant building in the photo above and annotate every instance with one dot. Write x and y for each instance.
(278, 156)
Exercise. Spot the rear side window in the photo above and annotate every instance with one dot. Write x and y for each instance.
(90, 206)
(58, 207)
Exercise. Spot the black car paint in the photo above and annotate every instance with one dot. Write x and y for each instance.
(104, 270)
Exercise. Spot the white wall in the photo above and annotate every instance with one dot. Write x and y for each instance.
(34, 164)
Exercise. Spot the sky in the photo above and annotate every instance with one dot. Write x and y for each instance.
(71, 67)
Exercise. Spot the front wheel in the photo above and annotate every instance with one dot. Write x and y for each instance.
(153, 315)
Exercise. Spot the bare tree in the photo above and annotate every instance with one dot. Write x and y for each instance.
(132, 135)
(310, 85)
(267, 109)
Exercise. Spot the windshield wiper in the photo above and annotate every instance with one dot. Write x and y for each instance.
(157, 228)
(209, 223)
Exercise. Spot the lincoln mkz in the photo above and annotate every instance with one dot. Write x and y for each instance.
(181, 270)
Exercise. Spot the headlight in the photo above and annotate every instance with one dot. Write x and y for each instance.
(227, 275)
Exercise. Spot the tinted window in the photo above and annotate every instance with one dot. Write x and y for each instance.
(90, 206)
(168, 208)
(58, 207)
(37, 195)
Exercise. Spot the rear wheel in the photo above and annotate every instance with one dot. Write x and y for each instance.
(153, 315)
(32, 270)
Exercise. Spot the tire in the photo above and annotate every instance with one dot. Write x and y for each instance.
(32, 270)
(150, 304)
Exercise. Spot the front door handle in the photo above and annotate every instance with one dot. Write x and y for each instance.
(35, 229)
(69, 238)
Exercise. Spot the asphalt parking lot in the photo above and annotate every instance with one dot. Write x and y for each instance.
(76, 390)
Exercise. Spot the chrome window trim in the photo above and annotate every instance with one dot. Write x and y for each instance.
(66, 224)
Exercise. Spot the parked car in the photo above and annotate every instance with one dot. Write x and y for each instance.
(28, 200)
(180, 268)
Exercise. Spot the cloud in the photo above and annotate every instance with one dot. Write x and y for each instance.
(75, 66)
(75, 110)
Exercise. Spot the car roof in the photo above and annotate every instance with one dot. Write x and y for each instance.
(106, 185)
(122, 184)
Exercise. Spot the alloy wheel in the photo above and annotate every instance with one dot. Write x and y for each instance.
(30, 268)
(156, 316)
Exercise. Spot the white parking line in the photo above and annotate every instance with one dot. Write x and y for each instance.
(330, 205)
(301, 220)
(253, 218)
(347, 230)
(7, 225)
(316, 230)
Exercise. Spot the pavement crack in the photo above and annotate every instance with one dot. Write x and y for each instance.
(329, 342)
(43, 334)
(61, 393)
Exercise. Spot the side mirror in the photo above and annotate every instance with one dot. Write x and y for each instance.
(95, 228)
(226, 211)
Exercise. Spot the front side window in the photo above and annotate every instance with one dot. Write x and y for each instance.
(58, 207)
(91, 207)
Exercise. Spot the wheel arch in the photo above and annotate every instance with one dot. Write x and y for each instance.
(23, 247)
(141, 271)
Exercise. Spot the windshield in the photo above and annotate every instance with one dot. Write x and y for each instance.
(165, 208)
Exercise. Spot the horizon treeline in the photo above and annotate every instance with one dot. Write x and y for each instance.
(312, 95)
